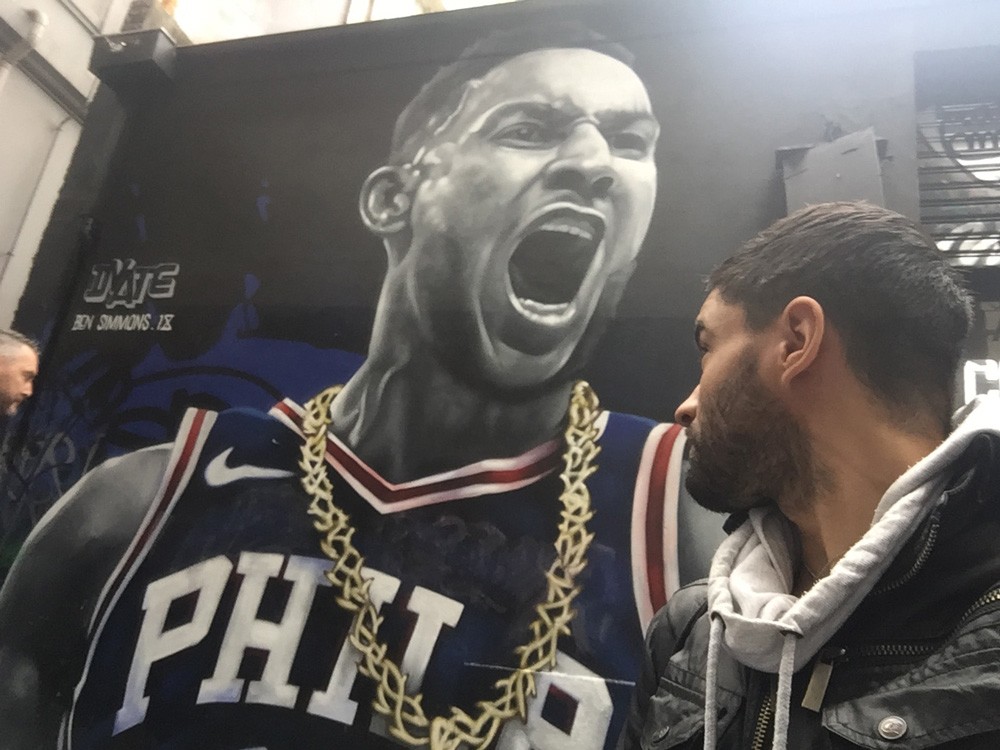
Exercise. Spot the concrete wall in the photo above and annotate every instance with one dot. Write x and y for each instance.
(42, 103)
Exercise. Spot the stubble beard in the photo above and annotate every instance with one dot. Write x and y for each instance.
(8, 406)
(747, 451)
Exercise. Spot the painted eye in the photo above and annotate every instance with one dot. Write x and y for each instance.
(526, 134)
(629, 145)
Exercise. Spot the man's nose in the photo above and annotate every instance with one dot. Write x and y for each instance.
(583, 163)
(688, 409)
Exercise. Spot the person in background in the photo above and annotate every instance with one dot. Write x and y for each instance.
(854, 602)
(18, 369)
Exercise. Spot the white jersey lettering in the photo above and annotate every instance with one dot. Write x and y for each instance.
(208, 579)
(433, 612)
(335, 702)
(279, 639)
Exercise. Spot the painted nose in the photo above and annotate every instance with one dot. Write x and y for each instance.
(688, 409)
(583, 164)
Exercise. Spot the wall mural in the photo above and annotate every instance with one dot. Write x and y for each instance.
(435, 538)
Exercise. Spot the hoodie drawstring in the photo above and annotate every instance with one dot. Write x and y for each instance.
(711, 678)
(783, 701)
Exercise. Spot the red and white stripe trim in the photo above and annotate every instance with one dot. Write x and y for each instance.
(654, 520)
(191, 437)
(491, 476)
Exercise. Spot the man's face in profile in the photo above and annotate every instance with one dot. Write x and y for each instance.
(744, 446)
(533, 202)
(18, 368)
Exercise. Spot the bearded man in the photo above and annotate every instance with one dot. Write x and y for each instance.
(18, 369)
(854, 602)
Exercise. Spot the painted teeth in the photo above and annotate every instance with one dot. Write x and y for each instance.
(541, 312)
(572, 229)
(543, 307)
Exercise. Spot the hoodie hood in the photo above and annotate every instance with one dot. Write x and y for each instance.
(767, 628)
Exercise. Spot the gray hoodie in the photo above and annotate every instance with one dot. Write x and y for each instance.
(757, 619)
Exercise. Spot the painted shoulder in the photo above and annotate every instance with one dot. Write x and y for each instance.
(247, 437)
(106, 505)
(618, 425)
(100, 515)
(70, 554)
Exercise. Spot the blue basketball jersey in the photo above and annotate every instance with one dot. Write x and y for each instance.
(220, 630)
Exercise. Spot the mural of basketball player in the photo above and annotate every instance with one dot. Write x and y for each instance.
(457, 548)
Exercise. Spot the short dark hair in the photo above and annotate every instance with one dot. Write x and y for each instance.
(11, 340)
(901, 309)
(438, 99)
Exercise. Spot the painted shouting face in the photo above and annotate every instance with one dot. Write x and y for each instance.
(529, 209)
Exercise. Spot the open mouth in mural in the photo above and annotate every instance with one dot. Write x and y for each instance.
(551, 262)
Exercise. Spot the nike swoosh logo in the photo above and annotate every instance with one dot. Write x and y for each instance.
(219, 472)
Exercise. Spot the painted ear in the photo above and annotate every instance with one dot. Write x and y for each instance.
(385, 199)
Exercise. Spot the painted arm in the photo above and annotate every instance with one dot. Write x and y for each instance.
(48, 598)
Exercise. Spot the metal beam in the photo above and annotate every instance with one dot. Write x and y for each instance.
(45, 76)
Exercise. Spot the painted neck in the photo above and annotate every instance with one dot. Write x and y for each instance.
(408, 416)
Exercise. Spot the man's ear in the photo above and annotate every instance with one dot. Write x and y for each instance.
(801, 327)
(386, 198)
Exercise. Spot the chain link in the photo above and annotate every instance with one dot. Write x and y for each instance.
(404, 713)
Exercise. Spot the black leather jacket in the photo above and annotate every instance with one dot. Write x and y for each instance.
(917, 665)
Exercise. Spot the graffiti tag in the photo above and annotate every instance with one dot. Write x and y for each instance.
(123, 282)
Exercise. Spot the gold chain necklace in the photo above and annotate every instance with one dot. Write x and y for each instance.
(404, 713)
